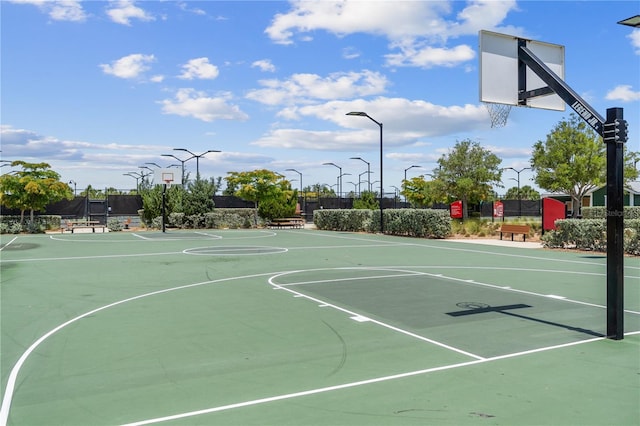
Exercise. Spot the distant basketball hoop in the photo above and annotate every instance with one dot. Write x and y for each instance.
(499, 113)
(164, 176)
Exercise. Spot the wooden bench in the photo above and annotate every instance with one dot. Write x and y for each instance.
(515, 229)
(72, 225)
(288, 222)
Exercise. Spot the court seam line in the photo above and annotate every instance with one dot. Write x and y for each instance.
(356, 384)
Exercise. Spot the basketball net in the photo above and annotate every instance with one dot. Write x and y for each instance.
(498, 113)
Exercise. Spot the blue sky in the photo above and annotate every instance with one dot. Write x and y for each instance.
(98, 88)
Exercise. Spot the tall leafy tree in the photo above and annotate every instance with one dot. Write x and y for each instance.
(422, 193)
(571, 160)
(199, 197)
(526, 193)
(32, 188)
(468, 173)
(264, 187)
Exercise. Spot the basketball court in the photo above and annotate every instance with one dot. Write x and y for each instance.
(309, 327)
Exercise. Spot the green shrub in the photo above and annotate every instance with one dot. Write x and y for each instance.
(630, 212)
(411, 222)
(114, 225)
(591, 234)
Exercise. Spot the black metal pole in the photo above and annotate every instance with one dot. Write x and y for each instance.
(381, 185)
(164, 190)
(615, 230)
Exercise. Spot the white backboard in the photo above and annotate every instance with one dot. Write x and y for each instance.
(499, 70)
(166, 176)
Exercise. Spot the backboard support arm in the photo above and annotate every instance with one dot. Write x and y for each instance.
(557, 85)
(615, 175)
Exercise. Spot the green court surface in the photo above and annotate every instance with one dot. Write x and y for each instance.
(305, 327)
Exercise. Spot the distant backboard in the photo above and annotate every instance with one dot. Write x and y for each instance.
(499, 75)
(165, 176)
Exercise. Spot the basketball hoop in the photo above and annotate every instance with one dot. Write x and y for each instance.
(498, 113)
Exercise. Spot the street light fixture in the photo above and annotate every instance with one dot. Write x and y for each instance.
(339, 177)
(197, 157)
(74, 186)
(368, 171)
(405, 178)
(518, 180)
(181, 163)
(364, 114)
(304, 210)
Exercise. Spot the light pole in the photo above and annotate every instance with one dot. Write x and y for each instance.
(364, 114)
(137, 177)
(368, 171)
(304, 209)
(181, 162)
(197, 157)
(339, 179)
(74, 186)
(518, 180)
(405, 179)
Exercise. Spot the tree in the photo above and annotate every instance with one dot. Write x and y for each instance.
(526, 193)
(264, 186)
(199, 197)
(367, 200)
(571, 160)
(420, 192)
(32, 188)
(468, 173)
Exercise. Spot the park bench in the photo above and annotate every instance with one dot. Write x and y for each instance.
(515, 229)
(287, 222)
(73, 225)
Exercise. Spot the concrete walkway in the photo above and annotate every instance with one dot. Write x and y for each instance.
(497, 242)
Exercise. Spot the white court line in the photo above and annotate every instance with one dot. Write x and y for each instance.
(14, 238)
(11, 381)
(354, 384)
(355, 314)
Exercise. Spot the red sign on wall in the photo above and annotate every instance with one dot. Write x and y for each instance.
(498, 209)
(456, 209)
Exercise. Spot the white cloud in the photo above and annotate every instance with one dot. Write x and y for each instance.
(419, 29)
(623, 93)
(407, 123)
(131, 66)
(199, 68)
(264, 65)
(635, 40)
(304, 87)
(123, 11)
(61, 10)
(191, 103)
(428, 57)
(27, 144)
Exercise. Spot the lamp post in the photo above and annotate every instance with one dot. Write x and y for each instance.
(518, 180)
(74, 186)
(181, 162)
(368, 171)
(360, 182)
(304, 209)
(405, 179)
(364, 114)
(339, 178)
(197, 157)
(137, 177)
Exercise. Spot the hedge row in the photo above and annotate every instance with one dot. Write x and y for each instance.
(630, 212)
(40, 224)
(591, 234)
(429, 223)
(217, 219)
